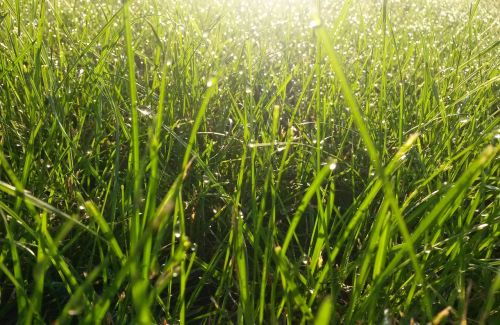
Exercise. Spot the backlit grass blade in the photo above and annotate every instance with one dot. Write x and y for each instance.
(136, 171)
(311, 191)
(372, 151)
(151, 198)
(40, 268)
(361, 209)
(240, 250)
(325, 312)
(211, 89)
(106, 229)
(436, 216)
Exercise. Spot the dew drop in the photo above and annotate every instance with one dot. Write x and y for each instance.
(74, 312)
(315, 23)
(305, 259)
(482, 226)
(177, 230)
(144, 112)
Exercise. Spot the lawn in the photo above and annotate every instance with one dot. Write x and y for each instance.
(230, 161)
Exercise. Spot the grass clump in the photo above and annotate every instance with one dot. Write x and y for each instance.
(249, 162)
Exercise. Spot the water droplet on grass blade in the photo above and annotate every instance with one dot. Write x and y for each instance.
(74, 312)
(305, 259)
(175, 271)
(144, 112)
(315, 22)
(177, 230)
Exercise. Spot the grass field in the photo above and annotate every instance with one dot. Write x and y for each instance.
(230, 161)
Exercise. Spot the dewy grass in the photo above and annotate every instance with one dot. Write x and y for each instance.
(249, 162)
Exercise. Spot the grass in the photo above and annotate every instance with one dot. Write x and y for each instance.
(249, 162)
